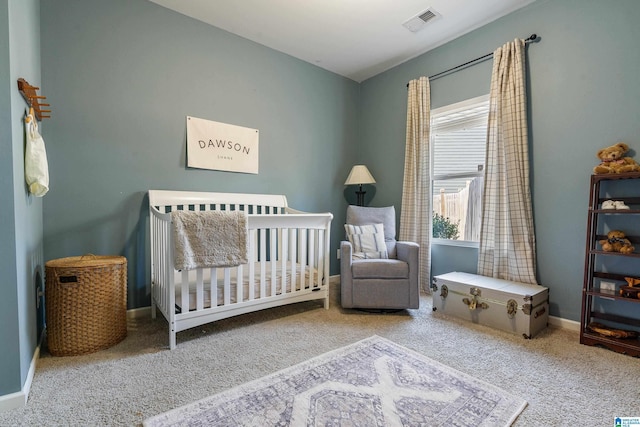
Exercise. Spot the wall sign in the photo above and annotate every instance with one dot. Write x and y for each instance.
(221, 146)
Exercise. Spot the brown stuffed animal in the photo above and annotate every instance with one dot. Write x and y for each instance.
(616, 242)
(632, 281)
(613, 160)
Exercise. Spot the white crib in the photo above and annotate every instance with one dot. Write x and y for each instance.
(288, 260)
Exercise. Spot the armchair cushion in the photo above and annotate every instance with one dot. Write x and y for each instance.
(379, 269)
(367, 241)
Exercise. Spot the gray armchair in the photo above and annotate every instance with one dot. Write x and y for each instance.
(379, 283)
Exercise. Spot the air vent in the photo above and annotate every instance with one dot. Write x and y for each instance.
(418, 22)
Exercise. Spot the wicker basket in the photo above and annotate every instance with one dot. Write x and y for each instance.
(86, 303)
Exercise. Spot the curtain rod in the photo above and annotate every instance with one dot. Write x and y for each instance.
(532, 38)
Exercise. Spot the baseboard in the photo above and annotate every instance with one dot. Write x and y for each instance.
(19, 398)
(12, 401)
(137, 313)
(559, 322)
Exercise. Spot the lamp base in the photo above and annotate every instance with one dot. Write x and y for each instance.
(360, 199)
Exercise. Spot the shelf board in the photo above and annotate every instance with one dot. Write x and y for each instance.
(615, 211)
(612, 276)
(630, 346)
(599, 252)
(616, 318)
(611, 296)
(614, 176)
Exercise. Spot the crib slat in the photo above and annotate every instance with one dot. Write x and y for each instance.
(155, 272)
(273, 259)
(184, 291)
(168, 295)
(253, 234)
(213, 286)
(303, 257)
(263, 262)
(283, 259)
(312, 258)
(320, 258)
(292, 250)
(252, 267)
(199, 290)
(239, 284)
(227, 286)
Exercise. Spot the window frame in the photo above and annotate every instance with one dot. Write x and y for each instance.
(450, 109)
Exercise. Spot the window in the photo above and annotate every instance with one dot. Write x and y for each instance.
(458, 145)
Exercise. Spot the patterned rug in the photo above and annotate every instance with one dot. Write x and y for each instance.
(373, 382)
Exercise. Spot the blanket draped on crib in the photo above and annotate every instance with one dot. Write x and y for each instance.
(209, 239)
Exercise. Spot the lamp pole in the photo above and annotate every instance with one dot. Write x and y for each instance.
(360, 194)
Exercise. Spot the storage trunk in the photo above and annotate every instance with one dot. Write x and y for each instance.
(519, 308)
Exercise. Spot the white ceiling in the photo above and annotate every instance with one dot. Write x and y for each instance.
(354, 38)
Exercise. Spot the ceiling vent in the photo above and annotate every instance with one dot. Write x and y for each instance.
(418, 22)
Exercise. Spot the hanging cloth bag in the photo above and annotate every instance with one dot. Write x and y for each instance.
(36, 169)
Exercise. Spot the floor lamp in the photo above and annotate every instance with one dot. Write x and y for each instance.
(360, 175)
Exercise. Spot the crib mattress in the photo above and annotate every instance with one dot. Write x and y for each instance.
(219, 286)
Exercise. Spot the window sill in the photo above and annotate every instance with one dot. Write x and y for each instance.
(458, 243)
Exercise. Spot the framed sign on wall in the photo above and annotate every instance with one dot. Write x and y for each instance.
(221, 146)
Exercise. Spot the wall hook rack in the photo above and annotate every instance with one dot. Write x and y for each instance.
(33, 99)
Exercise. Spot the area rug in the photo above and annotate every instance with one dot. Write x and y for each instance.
(373, 382)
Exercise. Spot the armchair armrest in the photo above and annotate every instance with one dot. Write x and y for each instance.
(346, 251)
(407, 251)
(346, 277)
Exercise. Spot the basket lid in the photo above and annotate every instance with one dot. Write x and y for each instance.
(89, 260)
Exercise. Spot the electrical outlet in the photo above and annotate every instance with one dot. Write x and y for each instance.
(338, 254)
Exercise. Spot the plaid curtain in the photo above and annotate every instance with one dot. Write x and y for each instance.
(415, 215)
(507, 238)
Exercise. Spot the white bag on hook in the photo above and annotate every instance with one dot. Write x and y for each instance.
(36, 169)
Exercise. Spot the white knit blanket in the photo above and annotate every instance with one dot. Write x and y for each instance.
(209, 239)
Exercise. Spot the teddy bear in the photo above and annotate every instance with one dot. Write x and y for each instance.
(613, 160)
(616, 242)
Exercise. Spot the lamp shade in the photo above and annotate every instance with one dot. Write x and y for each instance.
(359, 175)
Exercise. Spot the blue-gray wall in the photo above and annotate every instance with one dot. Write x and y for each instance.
(21, 253)
(584, 95)
(122, 75)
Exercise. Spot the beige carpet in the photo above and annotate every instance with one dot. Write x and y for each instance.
(564, 383)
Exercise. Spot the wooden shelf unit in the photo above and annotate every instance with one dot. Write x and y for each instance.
(596, 259)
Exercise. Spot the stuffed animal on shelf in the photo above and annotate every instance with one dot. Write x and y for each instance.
(608, 331)
(632, 281)
(617, 242)
(632, 290)
(613, 160)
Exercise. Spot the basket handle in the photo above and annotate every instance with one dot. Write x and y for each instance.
(88, 255)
